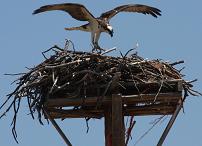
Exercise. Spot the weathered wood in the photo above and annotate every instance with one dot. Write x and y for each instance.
(130, 88)
(108, 125)
(149, 112)
(132, 99)
(79, 113)
(57, 128)
(113, 111)
(180, 85)
(170, 123)
(118, 136)
(156, 109)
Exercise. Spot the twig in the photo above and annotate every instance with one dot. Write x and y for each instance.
(87, 119)
(178, 62)
(66, 64)
(82, 74)
(109, 50)
(128, 135)
(128, 52)
(159, 90)
(141, 137)
(67, 43)
(192, 81)
(7, 74)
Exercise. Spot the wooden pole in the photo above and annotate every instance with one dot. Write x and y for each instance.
(118, 130)
(108, 125)
(114, 122)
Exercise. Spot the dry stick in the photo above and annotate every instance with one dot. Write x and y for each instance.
(163, 117)
(135, 77)
(155, 123)
(132, 123)
(57, 128)
(159, 90)
(172, 120)
(10, 95)
(7, 110)
(86, 119)
(66, 64)
(16, 109)
(54, 85)
(178, 62)
(189, 82)
(88, 71)
(8, 98)
(109, 50)
(99, 101)
(138, 62)
(55, 46)
(181, 69)
(39, 108)
(135, 83)
(193, 92)
(15, 74)
(30, 108)
(142, 69)
(128, 52)
(67, 43)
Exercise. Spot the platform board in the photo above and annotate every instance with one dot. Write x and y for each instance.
(168, 100)
(133, 105)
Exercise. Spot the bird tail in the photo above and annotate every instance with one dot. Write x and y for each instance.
(72, 28)
(82, 28)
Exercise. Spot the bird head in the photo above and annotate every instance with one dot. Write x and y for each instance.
(109, 30)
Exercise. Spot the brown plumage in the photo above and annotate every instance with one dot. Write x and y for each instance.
(132, 8)
(77, 11)
(100, 24)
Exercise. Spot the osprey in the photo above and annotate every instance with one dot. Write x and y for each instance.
(100, 24)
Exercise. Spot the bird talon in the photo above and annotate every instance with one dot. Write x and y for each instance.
(98, 49)
(81, 13)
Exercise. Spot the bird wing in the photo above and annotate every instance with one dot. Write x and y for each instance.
(77, 11)
(131, 8)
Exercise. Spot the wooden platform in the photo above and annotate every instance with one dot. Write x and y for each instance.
(138, 105)
(113, 108)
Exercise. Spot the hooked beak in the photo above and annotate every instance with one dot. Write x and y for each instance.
(111, 33)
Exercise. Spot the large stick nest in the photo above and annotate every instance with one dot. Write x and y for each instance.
(80, 74)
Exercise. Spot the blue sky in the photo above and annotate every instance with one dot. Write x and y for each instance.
(176, 35)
